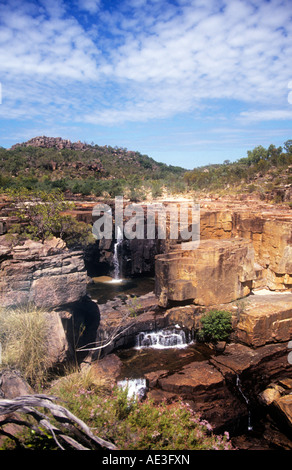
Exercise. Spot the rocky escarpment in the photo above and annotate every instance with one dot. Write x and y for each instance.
(268, 228)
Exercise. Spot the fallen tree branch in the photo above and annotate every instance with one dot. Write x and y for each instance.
(116, 333)
(27, 404)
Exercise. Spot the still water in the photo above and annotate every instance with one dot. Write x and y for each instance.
(105, 288)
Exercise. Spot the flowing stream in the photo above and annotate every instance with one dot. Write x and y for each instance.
(166, 339)
(135, 387)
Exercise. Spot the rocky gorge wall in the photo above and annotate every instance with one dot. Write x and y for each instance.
(268, 264)
(270, 232)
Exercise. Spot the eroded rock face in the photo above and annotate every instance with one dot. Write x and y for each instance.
(270, 232)
(50, 277)
(46, 274)
(217, 271)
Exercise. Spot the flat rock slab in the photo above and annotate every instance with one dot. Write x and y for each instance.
(266, 318)
(193, 378)
(238, 358)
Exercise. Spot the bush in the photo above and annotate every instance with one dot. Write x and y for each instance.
(136, 425)
(216, 326)
(23, 336)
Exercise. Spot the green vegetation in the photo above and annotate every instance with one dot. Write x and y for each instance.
(23, 337)
(106, 408)
(263, 170)
(134, 425)
(128, 423)
(216, 326)
(108, 172)
(42, 215)
(95, 170)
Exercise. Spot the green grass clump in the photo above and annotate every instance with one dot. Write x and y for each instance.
(23, 337)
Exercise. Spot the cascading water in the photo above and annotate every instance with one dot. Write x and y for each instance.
(136, 388)
(116, 260)
(238, 384)
(162, 339)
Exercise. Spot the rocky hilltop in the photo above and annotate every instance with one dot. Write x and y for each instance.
(52, 142)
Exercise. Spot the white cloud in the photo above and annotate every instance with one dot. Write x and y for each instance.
(267, 115)
(92, 6)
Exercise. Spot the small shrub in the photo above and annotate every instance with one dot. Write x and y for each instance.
(216, 326)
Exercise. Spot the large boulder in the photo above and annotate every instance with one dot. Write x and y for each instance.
(12, 384)
(215, 272)
(265, 317)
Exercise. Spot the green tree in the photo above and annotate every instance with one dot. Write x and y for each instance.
(288, 146)
(216, 326)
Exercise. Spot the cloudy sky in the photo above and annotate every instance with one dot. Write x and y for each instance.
(188, 82)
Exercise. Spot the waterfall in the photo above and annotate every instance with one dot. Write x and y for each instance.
(162, 339)
(116, 254)
(238, 384)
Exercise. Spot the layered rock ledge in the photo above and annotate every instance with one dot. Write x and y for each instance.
(48, 275)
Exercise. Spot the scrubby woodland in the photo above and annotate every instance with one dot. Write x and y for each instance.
(106, 171)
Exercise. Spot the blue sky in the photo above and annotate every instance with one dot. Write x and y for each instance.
(187, 82)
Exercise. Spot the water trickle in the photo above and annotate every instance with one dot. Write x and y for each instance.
(162, 339)
(238, 384)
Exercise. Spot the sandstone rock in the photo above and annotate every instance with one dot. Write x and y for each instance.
(283, 408)
(12, 384)
(269, 395)
(205, 387)
(265, 319)
(58, 346)
(269, 230)
(196, 377)
(45, 274)
(215, 272)
(106, 369)
(286, 383)
(187, 316)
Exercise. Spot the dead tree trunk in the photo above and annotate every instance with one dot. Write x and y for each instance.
(78, 435)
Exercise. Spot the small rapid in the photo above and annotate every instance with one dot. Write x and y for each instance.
(163, 339)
